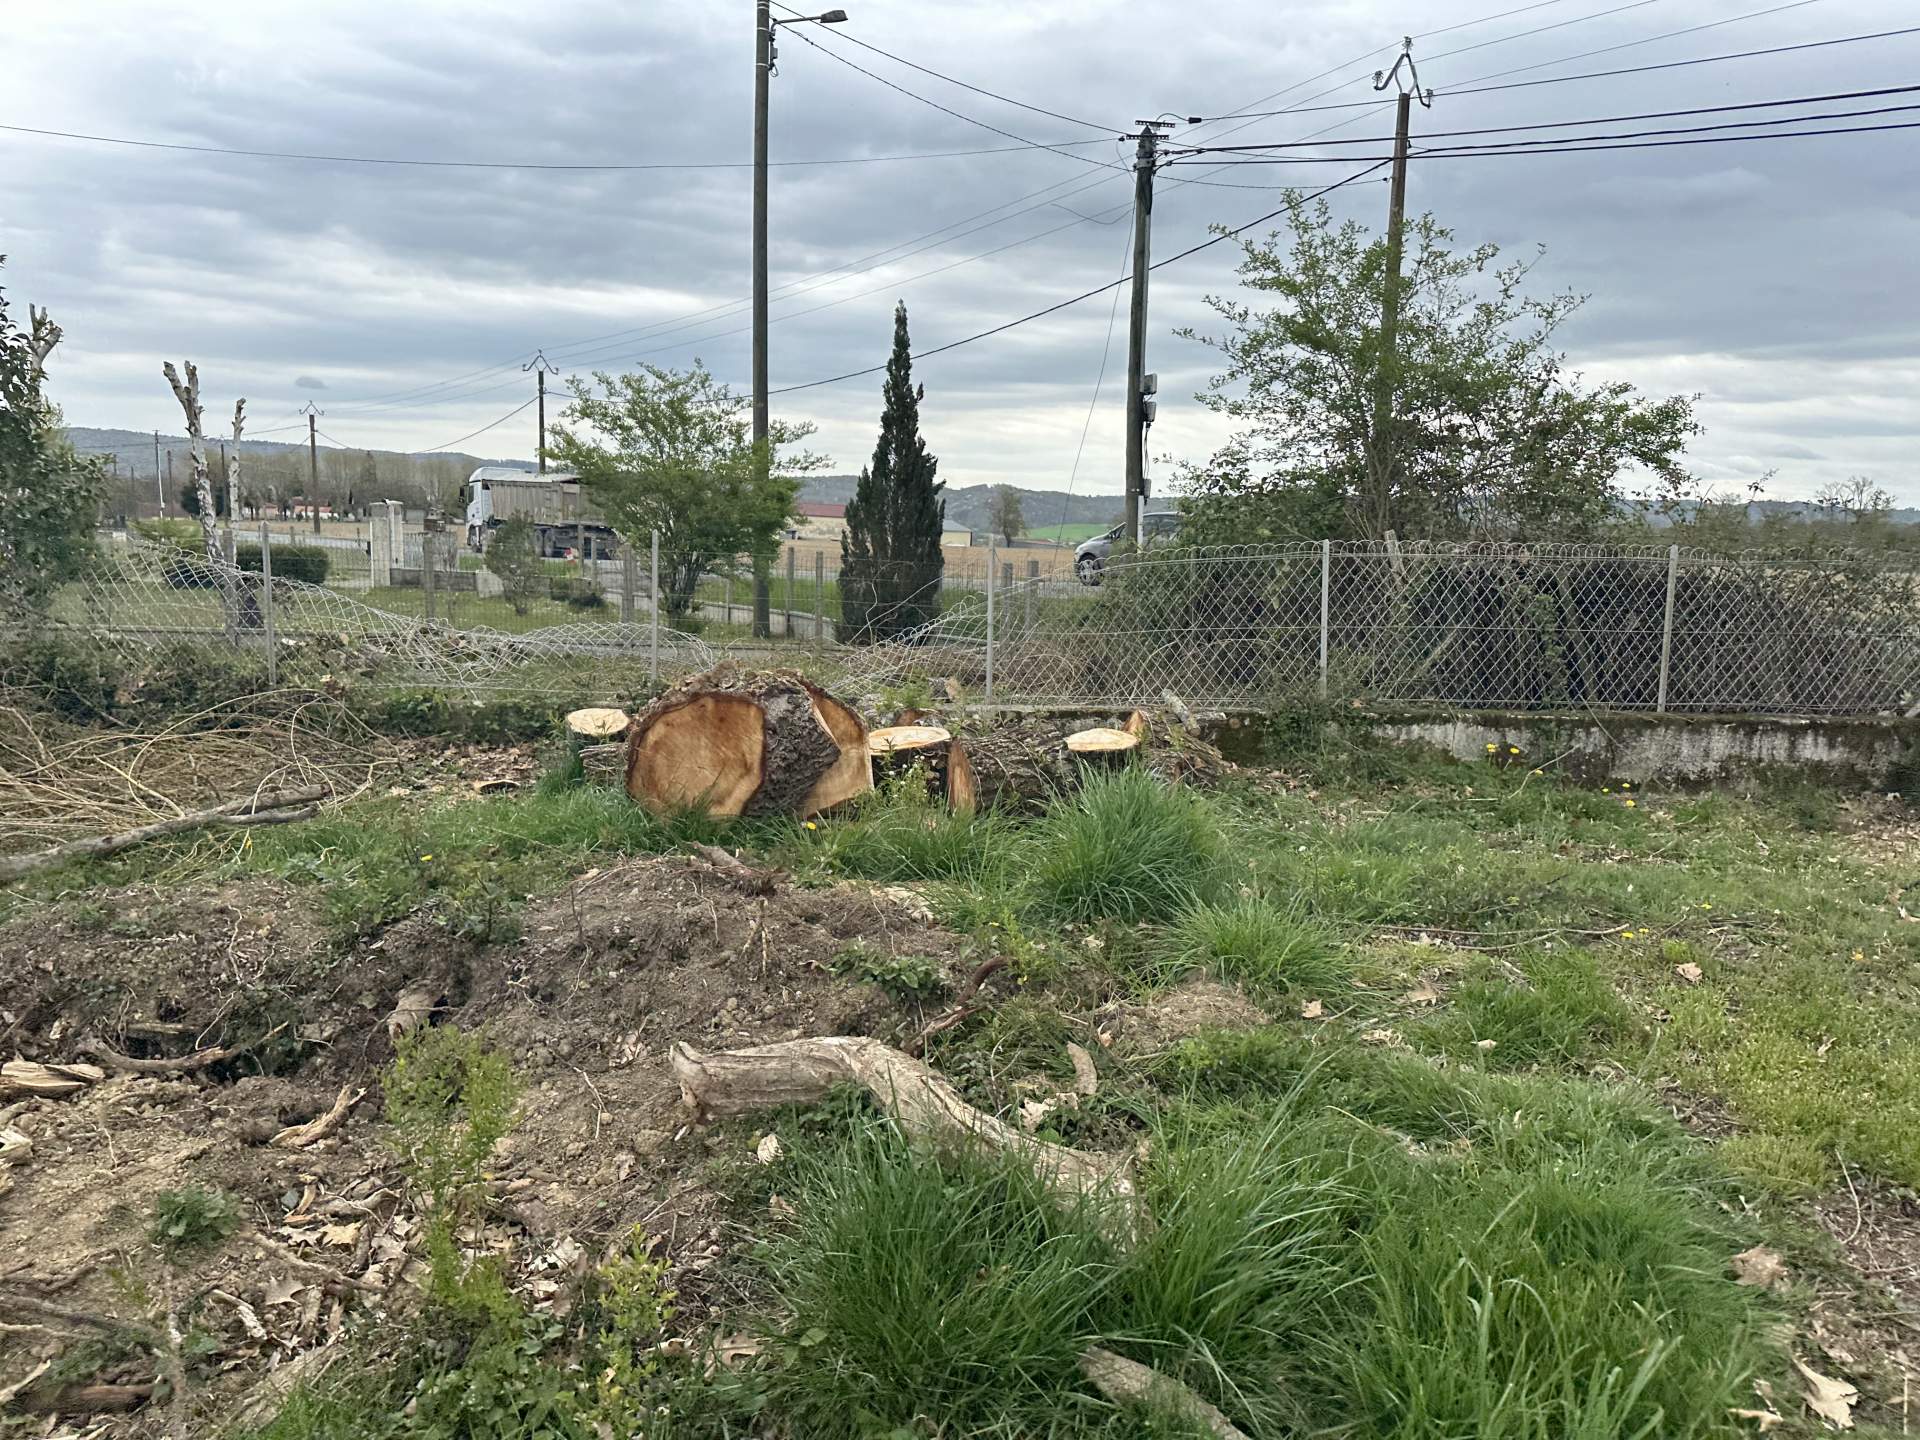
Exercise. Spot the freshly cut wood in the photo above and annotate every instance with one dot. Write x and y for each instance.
(276, 808)
(737, 742)
(906, 739)
(1101, 740)
(1128, 1382)
(27, 1077)
(922, 1104)
(1137, 724)
(898, 749)
(597, 723)
(298, 1137)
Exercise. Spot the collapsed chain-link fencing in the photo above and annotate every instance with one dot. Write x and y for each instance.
(1509, 626)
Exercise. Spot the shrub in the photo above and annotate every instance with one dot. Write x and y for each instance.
(1125, 847)
(304, 563)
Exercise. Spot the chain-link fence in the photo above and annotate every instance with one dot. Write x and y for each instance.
(1506, 626)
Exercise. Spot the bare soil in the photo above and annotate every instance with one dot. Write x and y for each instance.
(607, 974)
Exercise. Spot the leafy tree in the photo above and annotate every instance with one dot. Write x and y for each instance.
(1491, 433)
(49, 494)
(675, 454)
(513, 559)
(890, 556)
(1003, 514)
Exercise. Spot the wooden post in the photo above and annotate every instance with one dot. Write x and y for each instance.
(1666, 628)
(266, 608)
(629, 581)
(726, 598)
(1326, 589)
(653, 633)
(426, 570)
(819, 596)
(1033, 583)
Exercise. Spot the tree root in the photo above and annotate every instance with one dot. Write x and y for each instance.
(924, 1106)
(1127, 1382)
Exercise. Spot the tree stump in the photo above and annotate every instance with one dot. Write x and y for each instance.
(735, 742)
(898, 749)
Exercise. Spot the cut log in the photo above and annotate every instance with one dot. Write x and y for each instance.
(1137, 724)
(604, 764)
(924, 1106)
(733, 742)
(900, 749)
(1100, 742)
(906, 740)
(597, 724)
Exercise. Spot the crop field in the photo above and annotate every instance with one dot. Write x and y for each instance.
(1453, 1100)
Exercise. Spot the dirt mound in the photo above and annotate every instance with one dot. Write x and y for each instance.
(605, 976)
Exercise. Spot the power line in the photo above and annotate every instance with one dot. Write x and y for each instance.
(1086, 294)
(584, 166)
(1086, 426)
(1599, 120)
(1475, 88)
(964, 85)
(802, 36)
(1541, 30)
(436, 449)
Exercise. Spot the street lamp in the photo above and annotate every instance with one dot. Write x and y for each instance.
(763, 57)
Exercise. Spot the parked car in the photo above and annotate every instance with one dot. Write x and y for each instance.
(1090, 556)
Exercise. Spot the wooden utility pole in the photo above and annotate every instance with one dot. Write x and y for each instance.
(313, 464)
(1381, 458)
(159, 488)
(1139, 407)
(541, 367)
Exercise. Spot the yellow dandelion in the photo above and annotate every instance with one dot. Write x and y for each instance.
(1629, 803)
(426, 857)
(1606, 789)
(1626, 784)
(1491, 747)
(1858, 956)
(1626, 934)
(1513, 749)
(812, 826)
(1706, 905)
(1539, 772)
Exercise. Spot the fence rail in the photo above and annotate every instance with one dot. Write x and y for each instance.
(1509, 626)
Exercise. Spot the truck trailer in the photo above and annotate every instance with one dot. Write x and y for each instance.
(562, 518)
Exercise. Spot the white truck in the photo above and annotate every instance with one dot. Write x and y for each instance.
(562, 518)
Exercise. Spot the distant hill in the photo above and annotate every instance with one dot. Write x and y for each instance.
(134, 449)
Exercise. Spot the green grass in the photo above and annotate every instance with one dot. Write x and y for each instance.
(1123, 847)
(1253, 941)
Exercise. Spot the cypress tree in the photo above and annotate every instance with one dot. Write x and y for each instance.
(890, 558)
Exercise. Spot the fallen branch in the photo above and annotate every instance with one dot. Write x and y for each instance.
(178, 1065)
(7, 1392)
(299, 1264)
(924, 1106)
(298, 1137)
(277, 808)
(1127, 1382)
(964, 1008)
(29, 1077)
(165, 1351)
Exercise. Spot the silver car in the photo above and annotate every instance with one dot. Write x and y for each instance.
(1090, 556)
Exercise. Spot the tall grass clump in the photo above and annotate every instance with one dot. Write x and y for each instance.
(1252, 940)
(897, 835)
(919, 1290)
(1124, 847)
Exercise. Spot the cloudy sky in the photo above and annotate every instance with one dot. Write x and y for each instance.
(1776, 279)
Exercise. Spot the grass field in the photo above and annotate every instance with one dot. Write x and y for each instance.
(1540, 1059)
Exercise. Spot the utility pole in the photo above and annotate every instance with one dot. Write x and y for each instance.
(170, 470)
(764, 55)
(313, 414)
(541, 367)
(1380, 465)
(159, 491)
(1140, 385)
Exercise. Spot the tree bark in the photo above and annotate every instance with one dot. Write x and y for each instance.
(924, 1106)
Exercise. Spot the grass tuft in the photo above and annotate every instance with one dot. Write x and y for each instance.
(1255, 942)
(1124, 847)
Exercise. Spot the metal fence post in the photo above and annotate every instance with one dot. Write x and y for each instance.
(819, 595)
(629, 581)
(266, 609)
(1326, 592)
(1666, 628)
(426, 570)
(791, 553)
(991, 562)
(1033, 584)
(726, 598)
(653, 630)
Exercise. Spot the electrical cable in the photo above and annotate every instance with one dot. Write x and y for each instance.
(1541, 30)
(1088, 294)
(1561, 124)
(1086, 427)
(964, 85)
(436, 449)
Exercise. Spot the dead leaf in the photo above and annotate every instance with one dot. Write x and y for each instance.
(280, 1290)
(345, 1236)
(1690, 972)
(1832, 1400)
(1423, 994)
(768, 1150)
(1312, 1010)
(1759, 1266)
(781, 1206)
(1390, 1038)
(1765, 1419)
(1086, 1079)
(1485, 1044)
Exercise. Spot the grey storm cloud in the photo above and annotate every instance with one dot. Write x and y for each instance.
(1773, 279)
